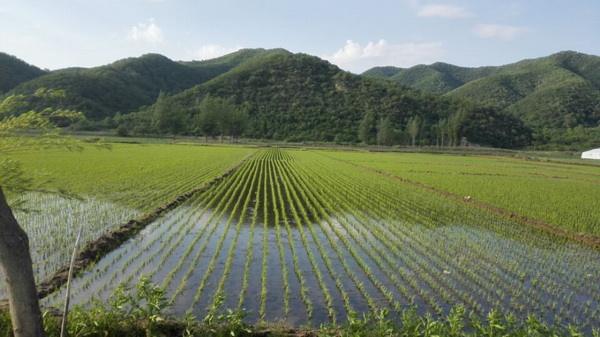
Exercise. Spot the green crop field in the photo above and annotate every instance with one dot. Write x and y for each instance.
(561, 194)
(106, 187)
(310, 236)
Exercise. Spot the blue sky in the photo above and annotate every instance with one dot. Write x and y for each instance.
(355, 35)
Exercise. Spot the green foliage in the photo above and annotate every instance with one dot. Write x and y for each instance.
(12, 176)
(100, 321)
(498, 129)
(14, 71)
(367, 129)
(456, 324)
(279, 95)
(558, 92)
(216, 116)
(573, 139)
(124, 86)
(299, 97)
(386, 134)
(413, 128)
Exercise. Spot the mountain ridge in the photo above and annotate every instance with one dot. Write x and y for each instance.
(561, 90)
(297, 96)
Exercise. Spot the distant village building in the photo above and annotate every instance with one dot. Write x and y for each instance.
(591, 154)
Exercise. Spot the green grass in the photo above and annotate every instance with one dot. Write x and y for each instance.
(564, 195)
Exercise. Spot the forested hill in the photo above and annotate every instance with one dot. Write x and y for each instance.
(122, 86)
(560, 91)
(300, 97)
(276, 94)
(13, 71)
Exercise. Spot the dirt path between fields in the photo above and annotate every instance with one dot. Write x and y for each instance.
(587, 239)
(97, 249)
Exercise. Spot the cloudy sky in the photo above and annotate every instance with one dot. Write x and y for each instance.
(355, 35)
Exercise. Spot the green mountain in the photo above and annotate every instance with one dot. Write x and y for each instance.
(122, 86)
(558, 91)
(14, 71)
(301, 97)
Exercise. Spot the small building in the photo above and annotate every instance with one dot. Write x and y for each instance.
(591, 154)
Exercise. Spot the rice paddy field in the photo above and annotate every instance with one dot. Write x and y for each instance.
(103, 188)
(307, 237)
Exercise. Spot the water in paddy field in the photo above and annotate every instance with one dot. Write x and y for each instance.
(52, 223)
(371, 262)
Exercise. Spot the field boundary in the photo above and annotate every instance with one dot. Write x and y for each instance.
(97, 249)
(587, 239)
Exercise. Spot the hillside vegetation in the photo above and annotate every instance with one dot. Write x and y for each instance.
(548, 102)
(300, 97)
(122, 86)
(14, 72)
(560, 91)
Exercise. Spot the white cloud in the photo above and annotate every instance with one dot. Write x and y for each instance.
(443, 11)
(210, 51)
(502, 32)
(148, 32)
(355, 57)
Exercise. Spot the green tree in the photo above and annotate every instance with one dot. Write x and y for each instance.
(413, 128)
(238, 123)
(441, 130)
(167, 117)
(207, 119)
(453, 126)
(385, 132)
(367, 130)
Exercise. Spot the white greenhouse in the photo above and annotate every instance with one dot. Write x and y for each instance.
(591, 154)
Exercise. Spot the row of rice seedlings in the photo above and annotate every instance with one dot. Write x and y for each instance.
(52, 223)
(341, 259)
(225, 202)
(162, 186)
(323, 254)
(365, 268)
(149, 183)
(265, 173)
(214, 259)
(219, 296)
(351, 223)
(381, 257)
(250, 247)
(383, 253)
(520, 268)
(533, 302)
(404, 275)
(297, 271)
(475, 278)
(309, 197)
(124, 259)
(167, 230)
(319, 197)
(280, 249)
(455, 288)
(216, 198)
(172, 240)
(511, 182)
(291, 197)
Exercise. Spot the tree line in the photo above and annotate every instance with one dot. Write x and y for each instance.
(212, 117)
(468, 124)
